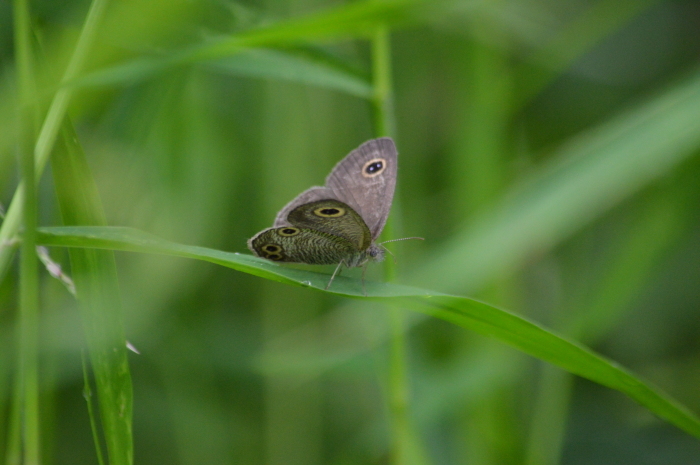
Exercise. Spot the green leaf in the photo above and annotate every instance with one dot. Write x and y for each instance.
(351, 20)
(288, 66)
(126, 73)
(95, 276)
(587, 177)
(256, 63)
(471, 314)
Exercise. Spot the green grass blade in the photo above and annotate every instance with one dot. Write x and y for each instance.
(51, 125)
(95, 276)
(87, 394)
(571, 356)
(471, 314)
(603, 18)
(589, 176)
(593, 313)
(26, 390)
(292, 66)
(133, 240)
(350, 20)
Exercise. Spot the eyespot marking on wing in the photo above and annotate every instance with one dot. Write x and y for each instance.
(288, 232)
(330, 212)
(374, 167)
(272, 252)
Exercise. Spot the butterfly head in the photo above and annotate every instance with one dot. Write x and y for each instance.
(376, 252)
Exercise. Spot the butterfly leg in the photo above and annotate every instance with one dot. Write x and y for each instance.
(336, 272)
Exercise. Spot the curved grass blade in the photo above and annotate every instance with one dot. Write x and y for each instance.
(254, 63)
(471, 314)
(293, 67)
(134, 240)
(587, 177)
(351, 20)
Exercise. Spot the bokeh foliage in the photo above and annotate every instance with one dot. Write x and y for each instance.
(548, 155)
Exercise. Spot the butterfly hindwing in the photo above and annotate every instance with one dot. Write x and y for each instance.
(312, 194)
(301, 245)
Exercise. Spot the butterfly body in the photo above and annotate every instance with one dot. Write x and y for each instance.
(339, 222)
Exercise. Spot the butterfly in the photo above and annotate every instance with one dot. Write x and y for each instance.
(337, 224)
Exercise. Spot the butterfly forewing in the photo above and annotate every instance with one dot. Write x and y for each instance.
(365, 180)
(334, 218)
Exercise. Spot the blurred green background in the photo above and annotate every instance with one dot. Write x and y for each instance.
(548, 156)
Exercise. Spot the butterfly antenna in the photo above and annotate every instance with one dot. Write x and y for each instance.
(381, 244)
(402, 239)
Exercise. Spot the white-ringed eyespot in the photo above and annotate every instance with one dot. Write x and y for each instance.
(374, 167)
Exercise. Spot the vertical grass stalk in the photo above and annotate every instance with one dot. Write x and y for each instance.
(24, 440)
(29, 318)
(405, 445)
